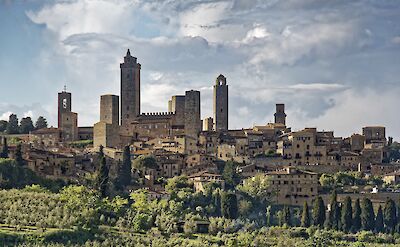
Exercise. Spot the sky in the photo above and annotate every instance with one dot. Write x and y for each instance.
(335, 64)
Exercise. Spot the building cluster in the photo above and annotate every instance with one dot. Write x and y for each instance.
(182, 143)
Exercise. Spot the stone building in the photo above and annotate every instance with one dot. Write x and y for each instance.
(220, 104)
(280, 115)
(208, 124)
(374, 134)
(202, 178)
(301, 148)
(46, 137)
(51, 164)
(290, 186)
(106, 132)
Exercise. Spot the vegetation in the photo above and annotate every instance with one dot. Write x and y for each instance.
(41, 123)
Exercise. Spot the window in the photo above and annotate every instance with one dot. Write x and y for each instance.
(285, 182)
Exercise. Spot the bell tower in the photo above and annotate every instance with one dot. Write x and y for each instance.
(64, 104)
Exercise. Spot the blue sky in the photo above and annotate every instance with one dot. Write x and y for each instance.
(336, 64)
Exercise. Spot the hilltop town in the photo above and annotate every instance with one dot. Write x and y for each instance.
(132, 152)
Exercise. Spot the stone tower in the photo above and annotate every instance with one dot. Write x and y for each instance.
(280, 115)
(192, 113)
(220, 104)
(64, 105)
(130, 89)
(109, 109)
(192, 121)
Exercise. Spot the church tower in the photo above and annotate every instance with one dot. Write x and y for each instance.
(64, 105)
(130, 89)
(220, 104)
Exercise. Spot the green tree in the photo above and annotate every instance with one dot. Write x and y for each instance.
(4, 151)
(318, 213)
(145, 161)
(305, 216)
(102, 177)
(333, 220)
(287, 216)
(356, 226)
(26, 125)
(229, 174)
(178, 183)
(3, 125)
(367, 215)
(327, 180)
(346, 218)
(256, 187)
(125, 171)
(41, 123)
(379, 226)
(13, 127)
(390, 216)
(18, 156)
(229, 207)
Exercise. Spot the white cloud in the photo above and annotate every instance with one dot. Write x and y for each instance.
(270, 51)
(86, 16)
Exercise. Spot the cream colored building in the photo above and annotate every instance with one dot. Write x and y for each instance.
(290, 186)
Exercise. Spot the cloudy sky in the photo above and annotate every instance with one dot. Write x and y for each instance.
(335, 64)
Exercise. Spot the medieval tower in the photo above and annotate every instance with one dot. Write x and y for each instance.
(280, 115)
(130, 89)
(64, 105)
(220, 104)
(67, 120)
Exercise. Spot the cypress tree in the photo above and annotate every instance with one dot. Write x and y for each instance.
(102, 177)
(4, 152)
(18, 156)
(305, 217)
(125, 170)
(379, 227)
(390, 218)
(333, 220)
(346, 218)
(318, 213)
(229, 208)
(270, 216)
(356, 216)
(367, 215)
(13, 126)
(287, 217)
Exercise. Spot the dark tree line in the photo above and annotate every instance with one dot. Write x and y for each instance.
(350, 217)
(14, 126)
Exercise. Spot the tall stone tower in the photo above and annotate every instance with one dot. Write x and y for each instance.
(192, 121)
(280, 115)
(220, 104)
(64, 105)
(109, 109)
(130, 89)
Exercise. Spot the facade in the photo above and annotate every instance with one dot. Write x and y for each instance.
(291, 186)
(208, 124)
(374, 134)
(220, 104)
(202, 178)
